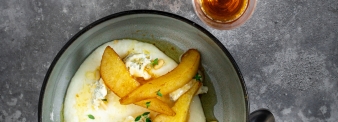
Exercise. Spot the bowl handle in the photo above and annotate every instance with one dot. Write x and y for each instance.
(261, 115)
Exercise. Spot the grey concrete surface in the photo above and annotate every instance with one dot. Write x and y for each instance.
(287, 51)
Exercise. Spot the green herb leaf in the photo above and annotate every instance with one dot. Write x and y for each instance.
(91, 116)
(143, 116)
(159, 93)
(148, 120)
(138, 118)
(154, 62)
(148, 104)
(145, 113)
(197, 77)
(104, 99)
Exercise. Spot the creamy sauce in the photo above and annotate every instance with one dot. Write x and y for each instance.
(87, 96)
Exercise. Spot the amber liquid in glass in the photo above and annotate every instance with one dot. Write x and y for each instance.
(224, 11)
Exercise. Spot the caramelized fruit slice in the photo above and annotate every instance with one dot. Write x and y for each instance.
(169, 82)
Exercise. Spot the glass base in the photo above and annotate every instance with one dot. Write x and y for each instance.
(225, 26)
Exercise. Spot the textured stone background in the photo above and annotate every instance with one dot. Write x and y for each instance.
(287, 51)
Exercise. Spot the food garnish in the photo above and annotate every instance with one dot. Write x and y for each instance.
(197, 77)
(154, 62)
(91, 116)
(145, 116)
(148, 104)
(159, 93)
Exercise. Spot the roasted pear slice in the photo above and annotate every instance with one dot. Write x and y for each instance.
(169, 82)
(166, 99)
(115, 74)
(181, 107)
(156, 105)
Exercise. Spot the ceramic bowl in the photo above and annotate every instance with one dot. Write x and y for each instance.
(226, 100)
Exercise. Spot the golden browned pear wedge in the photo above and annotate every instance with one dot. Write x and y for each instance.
(115, 74)
(169, 82)
(166, 99)
(156, 105)
(117, 78)
(181, 107)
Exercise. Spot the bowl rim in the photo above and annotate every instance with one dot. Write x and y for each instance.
(133, 12)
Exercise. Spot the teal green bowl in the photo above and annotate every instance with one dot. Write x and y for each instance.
(226, 100)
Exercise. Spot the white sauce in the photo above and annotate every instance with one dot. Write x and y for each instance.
(85, 92)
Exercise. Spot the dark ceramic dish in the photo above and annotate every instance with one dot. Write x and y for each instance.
(227, 99)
